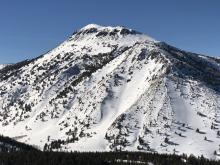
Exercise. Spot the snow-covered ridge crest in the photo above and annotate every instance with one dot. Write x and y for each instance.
(2, 65)
(111, 88)
(92, 25)
(106, 31)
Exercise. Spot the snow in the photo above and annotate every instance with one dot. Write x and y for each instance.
(2, 66)
(130, 96)
(131, 161)
(89, 26)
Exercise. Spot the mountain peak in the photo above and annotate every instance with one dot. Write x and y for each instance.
(92, 25)
(114, 32)
(111, 88)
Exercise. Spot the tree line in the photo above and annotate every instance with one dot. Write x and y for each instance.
(16, 153)
(98, 158)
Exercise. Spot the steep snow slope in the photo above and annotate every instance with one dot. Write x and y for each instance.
(113, 88)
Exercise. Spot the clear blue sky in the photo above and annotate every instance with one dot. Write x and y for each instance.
(29, 28)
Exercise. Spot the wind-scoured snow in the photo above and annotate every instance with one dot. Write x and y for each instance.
(113, 88)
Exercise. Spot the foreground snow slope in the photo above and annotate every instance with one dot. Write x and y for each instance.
(113, 88)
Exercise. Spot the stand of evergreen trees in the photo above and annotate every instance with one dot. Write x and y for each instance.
(16, 153)
(98, 158)
(8, 145)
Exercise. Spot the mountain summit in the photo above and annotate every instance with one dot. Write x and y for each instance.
(113, 88)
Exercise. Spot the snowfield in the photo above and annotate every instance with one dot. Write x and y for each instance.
(113, 88)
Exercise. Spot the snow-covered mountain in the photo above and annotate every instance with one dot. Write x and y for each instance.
(113, 88)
